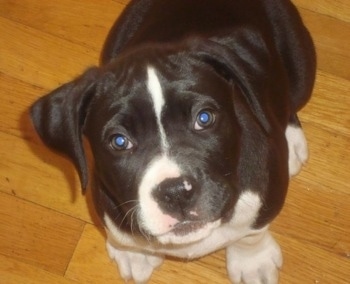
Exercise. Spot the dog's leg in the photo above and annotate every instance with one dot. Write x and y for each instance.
(133, 265)
(297, 146)
(255, 259)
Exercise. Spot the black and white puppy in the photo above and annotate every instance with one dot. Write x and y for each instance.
(191, 118)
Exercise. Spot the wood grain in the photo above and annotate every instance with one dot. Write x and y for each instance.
(48, 230)
(37, 235)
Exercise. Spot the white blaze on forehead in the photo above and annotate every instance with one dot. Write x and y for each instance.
(155, 89)
(151, 216)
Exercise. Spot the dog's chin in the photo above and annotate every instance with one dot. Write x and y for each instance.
(188, 232)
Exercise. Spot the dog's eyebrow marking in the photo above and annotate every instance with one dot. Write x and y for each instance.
(155, 89)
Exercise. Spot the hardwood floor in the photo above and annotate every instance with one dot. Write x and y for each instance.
(47, 229)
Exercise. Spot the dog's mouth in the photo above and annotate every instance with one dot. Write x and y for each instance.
(188, 232)
(187, 227)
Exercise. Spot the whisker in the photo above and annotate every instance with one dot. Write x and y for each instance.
(130, 201)
(127, 213)
(142, 230)
(131, 212)
(132, 221)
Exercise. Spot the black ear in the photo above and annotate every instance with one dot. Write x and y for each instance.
(244, 59)
(59, 117)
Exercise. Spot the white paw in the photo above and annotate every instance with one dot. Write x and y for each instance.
(297, 147)
(134, 265)
(254, 260)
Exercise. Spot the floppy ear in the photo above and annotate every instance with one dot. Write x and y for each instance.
(59, 118)
(244, 59)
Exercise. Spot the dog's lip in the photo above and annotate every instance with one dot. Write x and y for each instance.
(189, 232)
(187, 227)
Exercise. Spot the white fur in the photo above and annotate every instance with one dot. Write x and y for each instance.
(152, 219)
(254, 259)
(297, 147)
(134, 265)
(216, 236)
(187, 185)
(155, 89)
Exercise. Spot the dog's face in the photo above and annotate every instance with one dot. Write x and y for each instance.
(165, 140)
(166, 126)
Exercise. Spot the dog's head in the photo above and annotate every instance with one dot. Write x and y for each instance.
(170, 128)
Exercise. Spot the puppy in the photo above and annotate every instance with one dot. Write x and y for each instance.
(192, 121)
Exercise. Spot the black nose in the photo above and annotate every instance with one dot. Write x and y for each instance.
(175, 195)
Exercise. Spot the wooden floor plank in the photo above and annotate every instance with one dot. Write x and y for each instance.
(36, 235)
(99, 268)
(16, 272)
(17, 98)
(315, 266)
(329, 90)
(25, 154)
(338, 9)
(329, 214)
(328, 159)
(41, 59)
(49, 180)
(333, 49)
(64, 20)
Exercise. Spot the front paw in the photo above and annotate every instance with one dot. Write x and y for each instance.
(134, 265)
(254, 260)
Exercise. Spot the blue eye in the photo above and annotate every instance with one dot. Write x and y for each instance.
(120, 142)
(205, 118)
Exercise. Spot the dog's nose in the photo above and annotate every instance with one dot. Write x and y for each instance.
(175, 194)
